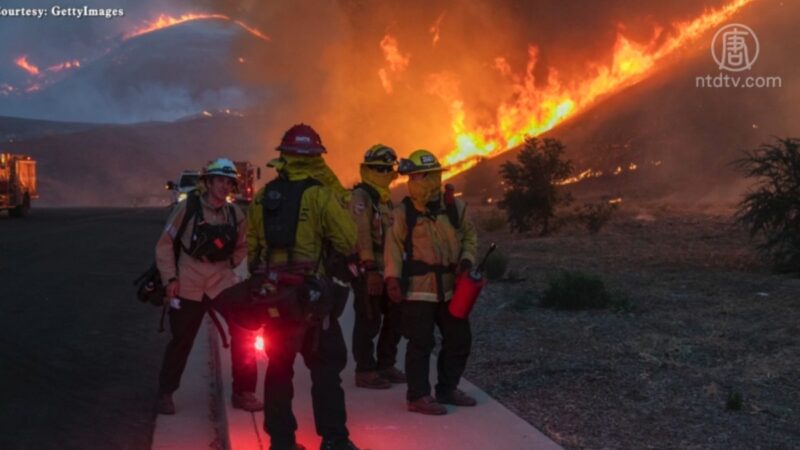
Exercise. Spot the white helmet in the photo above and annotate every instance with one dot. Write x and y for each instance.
(221, 167)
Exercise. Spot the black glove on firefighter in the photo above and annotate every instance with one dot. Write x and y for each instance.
(393, 290)
(464, 266)
(374, 283)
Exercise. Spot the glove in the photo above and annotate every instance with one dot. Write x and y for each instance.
(173, 289)
(374, 283)
(393, 290)
(464, 266)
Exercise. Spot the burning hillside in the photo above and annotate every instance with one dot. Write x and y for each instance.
(470, 82)
(164, 70)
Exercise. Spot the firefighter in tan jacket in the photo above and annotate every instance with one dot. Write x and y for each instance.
(211, 244)
(374, 313)
(432, 240)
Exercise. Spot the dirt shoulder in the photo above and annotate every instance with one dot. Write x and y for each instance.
(709, 322)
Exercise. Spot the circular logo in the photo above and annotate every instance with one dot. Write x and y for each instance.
(735, 47)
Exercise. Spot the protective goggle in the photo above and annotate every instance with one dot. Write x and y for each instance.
(380, 155)
(408, 166)
(382, 169)
(224, 170)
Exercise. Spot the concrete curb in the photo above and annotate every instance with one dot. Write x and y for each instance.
(218, 411)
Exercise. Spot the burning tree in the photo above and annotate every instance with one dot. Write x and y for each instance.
(771, 209)
(532, 193)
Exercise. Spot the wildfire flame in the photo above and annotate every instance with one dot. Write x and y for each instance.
(64, 65)
(23, 63)
(165, 21)
(537, 109)
(397, 61)
(435, 28)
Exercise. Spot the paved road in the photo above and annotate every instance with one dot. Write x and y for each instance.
(79, 355)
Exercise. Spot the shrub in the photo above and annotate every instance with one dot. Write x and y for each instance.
(734, 402)
(575, 290)
(493, 222)
(596, 216)
(523, 301)
(496, 265)
(532, 193)
(771, 209)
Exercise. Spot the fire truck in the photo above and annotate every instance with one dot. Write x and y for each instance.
(248, 174)
(17, 183)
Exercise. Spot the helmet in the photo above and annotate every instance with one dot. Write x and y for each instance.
(380, 155)
(301, 139)
(419, 162)
(221, 167)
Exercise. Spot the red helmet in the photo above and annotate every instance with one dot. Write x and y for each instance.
(301, 139)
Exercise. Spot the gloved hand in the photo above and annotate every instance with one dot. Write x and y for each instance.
(464, 266)
(173, 289)
(393, 290)
(374, 283)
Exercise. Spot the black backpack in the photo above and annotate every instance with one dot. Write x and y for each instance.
(150, 287)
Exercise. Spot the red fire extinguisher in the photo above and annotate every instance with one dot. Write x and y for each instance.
(468, 287)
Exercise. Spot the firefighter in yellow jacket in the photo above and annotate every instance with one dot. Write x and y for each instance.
(374, 313)
(432, 240)
(293, 224)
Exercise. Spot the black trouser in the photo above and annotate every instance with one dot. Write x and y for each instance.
(325, 354)
(369, 313)
(419, 318)
(184, 324)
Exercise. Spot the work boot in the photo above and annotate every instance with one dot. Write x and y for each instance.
(393, 375)
(371, 380)
(165, 405)
(337, 444)
(427, 405)
(294, 446)
(246, 401)
(456, 397)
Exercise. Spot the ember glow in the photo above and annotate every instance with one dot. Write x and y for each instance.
(22, 62)
(165, 21)
(536, 109)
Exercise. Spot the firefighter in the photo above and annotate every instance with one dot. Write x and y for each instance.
(372, 210)
(211, 245)
(432, 240)
(291, 225)
(317, 169)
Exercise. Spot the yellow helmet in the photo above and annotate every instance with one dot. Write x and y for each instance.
(380, 155)
(419, 162)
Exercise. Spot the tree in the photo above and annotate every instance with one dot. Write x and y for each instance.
(531, 184)
(771, 208)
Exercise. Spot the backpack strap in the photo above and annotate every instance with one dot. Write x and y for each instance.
(374, 196)
(408, 244)
(193, 209)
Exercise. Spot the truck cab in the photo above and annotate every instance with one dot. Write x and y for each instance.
(187, 182)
